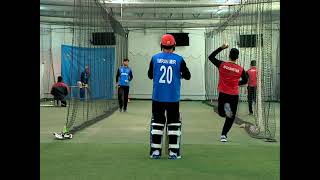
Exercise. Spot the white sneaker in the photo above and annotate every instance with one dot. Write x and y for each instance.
(67, 136)
(58, 136)
(62, 136)
(155, 154)
(223, 138)
(173, 155)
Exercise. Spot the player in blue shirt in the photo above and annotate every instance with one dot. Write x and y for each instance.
(84, 78)
(166, 69)
(123, 78)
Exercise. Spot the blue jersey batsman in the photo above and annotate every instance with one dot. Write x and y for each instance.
(166, 69)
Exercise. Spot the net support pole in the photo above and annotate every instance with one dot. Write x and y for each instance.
(260, 119)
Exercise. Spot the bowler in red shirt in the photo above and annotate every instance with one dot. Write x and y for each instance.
(231, 76)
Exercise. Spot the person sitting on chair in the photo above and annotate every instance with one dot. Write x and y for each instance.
(60, 90)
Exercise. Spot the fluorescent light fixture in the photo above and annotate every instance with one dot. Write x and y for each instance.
(112, 1)
(219, 11)
(223, 7)
(233, 1)
(212, 10)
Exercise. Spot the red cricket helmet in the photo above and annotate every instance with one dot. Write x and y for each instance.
(168, 40)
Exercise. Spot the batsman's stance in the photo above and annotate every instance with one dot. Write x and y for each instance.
(166, 69)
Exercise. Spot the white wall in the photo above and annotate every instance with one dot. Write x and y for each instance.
(144, 44)
(51, 39)
(59, 37)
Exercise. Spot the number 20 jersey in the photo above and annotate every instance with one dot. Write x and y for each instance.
(166, 77)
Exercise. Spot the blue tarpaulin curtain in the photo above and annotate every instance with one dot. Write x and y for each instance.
(101, 64)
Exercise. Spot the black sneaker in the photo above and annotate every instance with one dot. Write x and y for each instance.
(120, 110)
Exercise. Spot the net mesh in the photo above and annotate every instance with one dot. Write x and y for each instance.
(251, 17)
(47, 76)
(92, 101)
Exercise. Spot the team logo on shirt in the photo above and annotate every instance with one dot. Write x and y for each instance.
(166, 61)
(231, 69)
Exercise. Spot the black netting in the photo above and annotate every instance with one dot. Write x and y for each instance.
(99, 43)
(250, 19)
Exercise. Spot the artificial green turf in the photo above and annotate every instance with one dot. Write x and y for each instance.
(130, 161)
(117, 148)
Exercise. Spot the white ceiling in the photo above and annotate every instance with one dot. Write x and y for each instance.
(152, 13)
